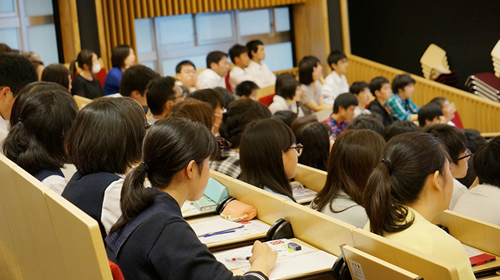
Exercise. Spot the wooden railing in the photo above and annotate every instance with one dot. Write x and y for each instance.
(294, 71)
(475, 112)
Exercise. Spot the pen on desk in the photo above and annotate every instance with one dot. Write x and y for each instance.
(217, 233)
(238, 259)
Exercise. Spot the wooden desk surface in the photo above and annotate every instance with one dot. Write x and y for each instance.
(318, 274)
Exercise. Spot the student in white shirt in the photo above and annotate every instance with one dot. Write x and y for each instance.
(41, 116)
(336, 79)
(456, 144)
(287, 95)
(16, 71)
(216, 72)
(239, 56)
(185, 73)
(257, 69)
(362, 92)
(483, 201)
(163, 93)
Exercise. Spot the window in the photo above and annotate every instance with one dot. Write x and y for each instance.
(166, 41)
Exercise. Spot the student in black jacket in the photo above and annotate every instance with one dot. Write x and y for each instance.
(381, 88)
(152, 240)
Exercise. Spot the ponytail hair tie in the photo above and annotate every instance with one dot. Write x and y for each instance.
(20, 119)
(223, 143)
(144, 166)
(389, 164)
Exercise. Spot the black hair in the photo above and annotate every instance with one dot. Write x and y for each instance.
(261, 159)
(315, 137)
(345, 100)
(401, 81)
(334, 57)
(407, 161)
(41, 116)
(136, 78)
(358, 87)
(214, 57)
(377, 83)
(280, 79)
(355, 154)
(372, 122)
(227, 96)
(287, 117)
(240, 113)
(439, 100)
(178, 68)
(453, 139)
(85, 57)
(169, 146)
(306, 70)
(288, 88)
(160, 90)
(236, 51)
(253, 46)
(474, 139)
(210, 96)
(429, 112)
(399, 127)
(119, 54)
(4, 48)
(487, 162)
(107, 136)
(56, 73)
(246, 88)
(16, 71)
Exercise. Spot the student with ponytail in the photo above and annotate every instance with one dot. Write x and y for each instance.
(408, 188)
(269, 156)
(354, 155)
(103, 144)
(152, 240)
(84, 82)
(41, 116)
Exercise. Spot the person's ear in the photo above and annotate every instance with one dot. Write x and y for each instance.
(190, 169)
(438, 181)
(213, 65)
(168, 105)
(3, 92)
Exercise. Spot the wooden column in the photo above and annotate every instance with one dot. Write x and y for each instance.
(70, 31)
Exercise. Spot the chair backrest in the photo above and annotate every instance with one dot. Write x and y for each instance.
(81, 101)
(475, 233)
(320, 230)
(407, 258)
(267, 100)
(311, 178)
(433, 56)
(324, 114)
(367, 267)
(265, 91)
(269, 206)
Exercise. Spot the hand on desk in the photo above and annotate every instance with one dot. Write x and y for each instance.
(263, 258)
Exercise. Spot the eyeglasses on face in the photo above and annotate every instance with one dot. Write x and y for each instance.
(298, 148)
(467, 156)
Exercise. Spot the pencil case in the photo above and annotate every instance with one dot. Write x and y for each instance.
(234, 210)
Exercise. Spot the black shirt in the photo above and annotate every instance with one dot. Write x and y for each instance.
(376, 108)
(89, 89)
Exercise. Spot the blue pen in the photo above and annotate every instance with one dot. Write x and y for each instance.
(217, 233)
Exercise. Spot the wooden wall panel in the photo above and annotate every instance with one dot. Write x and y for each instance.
(70, 31)
(475, 112)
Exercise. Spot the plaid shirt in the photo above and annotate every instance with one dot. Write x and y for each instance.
(401, 109)
(229, 163)
(336, 128)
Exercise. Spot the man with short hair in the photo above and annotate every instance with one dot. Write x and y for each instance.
(162, 94)
(134, 81)
(239, 56)
(216, 72)
(186, 77)
(400, 103)
(343, 112)
(258, 70)
(16, 71)
(337, 81)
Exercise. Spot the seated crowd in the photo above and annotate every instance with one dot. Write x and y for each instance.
(384, 172)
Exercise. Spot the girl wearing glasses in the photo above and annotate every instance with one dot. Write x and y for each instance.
(354, 156)
(455, 143)
(269, 156)
(409, 187)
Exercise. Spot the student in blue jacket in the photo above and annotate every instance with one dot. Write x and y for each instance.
(152, 240)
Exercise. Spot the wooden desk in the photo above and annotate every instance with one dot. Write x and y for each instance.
(407, 258)
(265, 91)
(317, 274)
(368, 267)
(311, 178)
(317, 229)
(475, 233)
